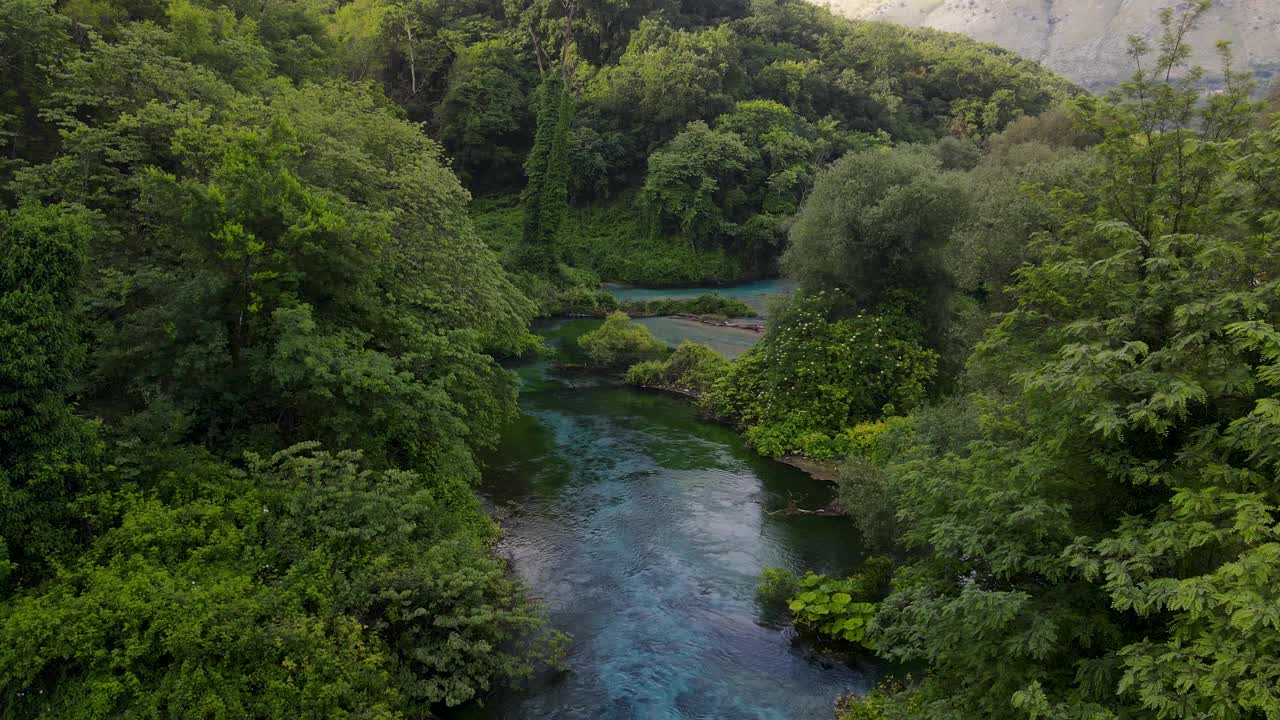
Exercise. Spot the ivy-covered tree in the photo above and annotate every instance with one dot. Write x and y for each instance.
(47, 453)
(547, 169)
(546, 194)
(666, 79)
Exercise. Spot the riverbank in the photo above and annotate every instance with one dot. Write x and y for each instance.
(826, 471)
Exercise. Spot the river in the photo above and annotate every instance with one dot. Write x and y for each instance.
(755, 295)
(730, 341)
(643, 528)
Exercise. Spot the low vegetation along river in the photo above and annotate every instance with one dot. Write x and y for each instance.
(643, 528)
(730, 341)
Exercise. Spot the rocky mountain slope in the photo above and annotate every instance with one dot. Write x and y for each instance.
(1086, 40)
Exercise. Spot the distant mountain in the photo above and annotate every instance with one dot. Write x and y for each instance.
(1086, 40)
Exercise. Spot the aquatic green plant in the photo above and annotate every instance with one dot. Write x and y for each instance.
(829, 607)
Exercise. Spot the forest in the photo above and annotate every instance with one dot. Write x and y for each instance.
(265, 268)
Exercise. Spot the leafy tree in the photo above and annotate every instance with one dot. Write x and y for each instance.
(605, 25)
(666, 79)
(738, 185)
(1108, 548)
(1055, 128)
(482, 117)
(786, 152)
(876, 224)
(218, 40)
(47, 454)
(985, 251)
(693, 181)
(34, 40)
(422, 38)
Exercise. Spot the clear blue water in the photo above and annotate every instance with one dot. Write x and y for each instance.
(729, 341)
(643, 528)
(755, 294)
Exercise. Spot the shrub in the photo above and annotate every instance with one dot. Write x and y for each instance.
(579, 300)
(691, 369)
(892, 695)
(647, 374)
(812, 378)
(776, 587)
(619, 342)
(864, 440)
(704, 305)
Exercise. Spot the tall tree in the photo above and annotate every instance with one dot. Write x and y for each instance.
(46, 452)
(546, 195)
(34, 39)
(1111, 547)
(876, 224)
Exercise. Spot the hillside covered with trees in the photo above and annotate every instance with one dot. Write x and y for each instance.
(264, 267)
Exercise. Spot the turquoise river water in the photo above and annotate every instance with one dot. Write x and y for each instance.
(730, 341)
(643, 528)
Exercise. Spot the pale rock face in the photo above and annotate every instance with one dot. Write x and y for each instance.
(1087, 40)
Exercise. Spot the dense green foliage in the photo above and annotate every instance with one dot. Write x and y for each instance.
(692, 369)
(812, 378)
(304, 585)
(248, 350)
(611, 240)
(251, 325)
(900, 263)
(691, 130)
(618, 343)
(1092, 530)
(836, 610)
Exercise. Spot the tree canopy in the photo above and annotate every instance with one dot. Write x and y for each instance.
(1102, 542)
(254, 335)
(250, 344)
